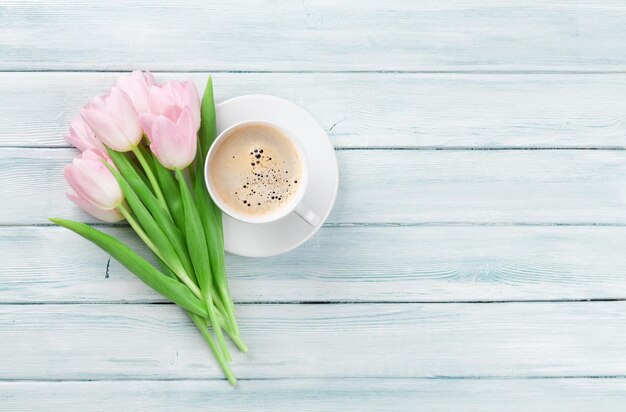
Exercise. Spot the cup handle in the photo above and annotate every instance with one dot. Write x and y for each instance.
(307, 215)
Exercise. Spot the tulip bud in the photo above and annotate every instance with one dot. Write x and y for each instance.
(137, 86)
(179, 94)
(82, 137)
(172, 135)
(97, 191)
(114, 120)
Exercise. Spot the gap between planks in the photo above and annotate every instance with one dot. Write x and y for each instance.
(380, 224)
(351, 378)
(324, 302)
(503, 72)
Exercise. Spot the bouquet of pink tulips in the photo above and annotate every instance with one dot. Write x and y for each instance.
(143, 147)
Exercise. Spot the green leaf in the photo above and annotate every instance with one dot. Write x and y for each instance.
(164, 268)
(133, 176)
(165, 250)
(138, 172)
(201, 325)
(166, 286)
(208, 209)
(208, 127)
(146, 155)
(195, 236)
(211, 218)
(210, 213)
(212, 228)
(146, 220)
(169, 185)
(199, 255)
(160, 215)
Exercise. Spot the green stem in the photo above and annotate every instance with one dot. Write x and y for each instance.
(221, 280)
(218, 301)
(178, 270)
(216, 352)
(192, 174)
(182, 275)
(229, 331)
(137, 228)
(151, 178)
(219, 353)
(230, 306)
(216, 324)
(198, 250)
(238, 341)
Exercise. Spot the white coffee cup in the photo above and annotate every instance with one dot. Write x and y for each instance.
(295, 204)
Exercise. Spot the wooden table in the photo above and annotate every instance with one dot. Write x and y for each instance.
(476, 256)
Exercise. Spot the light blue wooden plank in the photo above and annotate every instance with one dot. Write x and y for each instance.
(518, 340)
(394, 186)
(447, 263)
(359, 395)
(367, 110)
(313, 35)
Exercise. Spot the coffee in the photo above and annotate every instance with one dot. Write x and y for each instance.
(256, 170)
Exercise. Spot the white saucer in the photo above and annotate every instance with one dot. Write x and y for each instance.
(269, 239)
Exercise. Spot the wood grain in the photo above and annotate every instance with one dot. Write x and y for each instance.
(394, 186)
(367, 109)
(359, 395)
(78, 332)
(513, 340)
(368, 264)
(313, 35)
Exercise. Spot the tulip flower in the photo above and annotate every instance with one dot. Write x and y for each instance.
(137, 86)
(179, 94)
(82, 137)
(114, 120)
(179, 224)
(97, 191)
(172, 135)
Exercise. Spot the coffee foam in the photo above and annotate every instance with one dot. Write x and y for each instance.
(256, 170)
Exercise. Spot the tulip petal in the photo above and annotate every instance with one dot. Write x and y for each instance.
(188, 131)
(79, 183)
(69, 177)
(105, 129)
(112, 215)
(149, 78)
(146, 120)
(160, 98)
(136, 87)
(162, 129)
(82, 137)
(190, 99)
(171, 144)
(175, 93)
(88, 184)
(93, 181)
(97, 103)
(173, 112)
(176, 88)
(121, 108)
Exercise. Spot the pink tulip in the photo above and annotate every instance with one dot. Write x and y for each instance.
(172, 135)
(82, 137)
(97, 191)
(114, 120)
(137, 86)
(179, 94)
